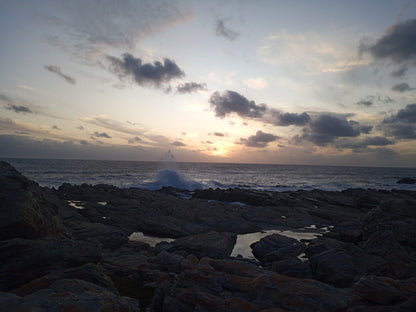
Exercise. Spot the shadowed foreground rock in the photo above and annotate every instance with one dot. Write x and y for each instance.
(55, 257)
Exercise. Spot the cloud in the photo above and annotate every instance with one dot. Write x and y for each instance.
(190, 87)
(359, 144)
(57, 70)
(101, 135)
(326, 128)
(365, 102)
(402, 125)
(402, 87)
(218, 134)
(397, 44)
(134, 140)
(369, 100)
(259, 140)
(222, 31)
(80, 128)
(287, 119)
(89, 28)
(55, 127)
(145, 74)
(178, 143)
(18, 108)
(110, 124)
(231, 102)
(400, 72)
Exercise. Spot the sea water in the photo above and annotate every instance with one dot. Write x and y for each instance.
(155, 175)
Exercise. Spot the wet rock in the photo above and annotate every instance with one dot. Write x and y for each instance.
(406, 181)
(24, 210)
(276, 247)
(210, 244)
(334, 267)
(24, 260)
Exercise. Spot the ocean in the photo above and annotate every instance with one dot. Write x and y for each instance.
(155, 175)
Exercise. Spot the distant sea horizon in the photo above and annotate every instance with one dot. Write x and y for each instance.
(154, 175)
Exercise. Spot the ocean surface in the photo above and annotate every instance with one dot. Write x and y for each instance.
(155, 175)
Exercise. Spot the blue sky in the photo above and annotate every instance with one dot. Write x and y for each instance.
(286, 82)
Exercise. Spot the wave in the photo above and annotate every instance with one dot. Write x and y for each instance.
(172, 178)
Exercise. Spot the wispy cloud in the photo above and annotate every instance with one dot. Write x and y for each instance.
(259, 140)
(57, 70)
(190, 87)
(223, 31)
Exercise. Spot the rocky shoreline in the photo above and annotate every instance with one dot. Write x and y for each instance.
(56, 257)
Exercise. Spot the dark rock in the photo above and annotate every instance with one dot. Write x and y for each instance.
(24, 210)
(379, 290)
(210, 244)
(108, 236)
(71, 295)
(24, 260)
(334, 267)
(350, 230)
(406, 181)
(292, 267)
(276, 247)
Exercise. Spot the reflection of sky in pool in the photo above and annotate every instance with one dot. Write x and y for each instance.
(242, 246)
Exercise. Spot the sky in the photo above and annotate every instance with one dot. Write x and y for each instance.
(278, 82)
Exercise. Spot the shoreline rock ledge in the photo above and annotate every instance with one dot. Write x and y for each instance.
(55, 257)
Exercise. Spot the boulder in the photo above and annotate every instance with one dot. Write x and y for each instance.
(276, 247)
(210, 244)
(109, 236)
(292, 267)
(23, 260)
(334, 267)
(24, 210)
(350, 230)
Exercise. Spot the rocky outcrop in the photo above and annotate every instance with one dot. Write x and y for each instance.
(24, 211)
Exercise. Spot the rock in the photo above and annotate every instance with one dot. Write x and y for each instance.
(276, 247)
(233, 285)
(88, 272)
(292, 267)
(210, 244)
(24, 260)
(72, 295)
(24, 211)
(406, 181)
(379, 290)
(109, 236)
(168, 262)
(350, 230)
(334, 267)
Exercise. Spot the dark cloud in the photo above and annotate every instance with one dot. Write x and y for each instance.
(222, 31)
(363, 102)
(80, 128)
(358, 144)
(232, 102)
(101, 135)
(57, 70)
(260, 139)
(134, 140)
(218, 134)
(287, 119)
(18, 108)
(397, 44)
(178, 143)
(190, 87)
(145, 74)
(326, 128)
(402, 125)
(55, 127)
(402, 87)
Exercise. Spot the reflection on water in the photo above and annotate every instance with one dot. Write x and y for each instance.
(76, 204)
(151, 240)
